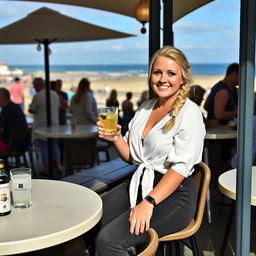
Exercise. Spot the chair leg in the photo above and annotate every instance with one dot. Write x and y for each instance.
(25, 160)
(30, 153)
(107, 156)
(17, 161)
(194, 246)
(166, 249)
(177, 248)
(228, 227)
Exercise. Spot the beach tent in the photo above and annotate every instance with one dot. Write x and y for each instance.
(46, 26)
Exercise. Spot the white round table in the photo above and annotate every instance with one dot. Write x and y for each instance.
(60, 211)
(221, 132)
(65, 131)
(227, 184)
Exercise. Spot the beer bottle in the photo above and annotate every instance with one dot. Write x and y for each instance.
(5, 200)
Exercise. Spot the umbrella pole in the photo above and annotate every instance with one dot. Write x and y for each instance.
(154, 26)
(47, 81)
(167, 21)
(154, 32)
(46, 43)
(245, 126)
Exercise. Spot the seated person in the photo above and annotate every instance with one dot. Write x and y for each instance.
(11, 118)
(220, 104)
(196, 94)
(38, 109)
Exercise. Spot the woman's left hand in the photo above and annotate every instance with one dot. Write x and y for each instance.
(140, 217)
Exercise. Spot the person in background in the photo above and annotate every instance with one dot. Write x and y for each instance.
(112, 99)
(196, 94)
(63, 102)
(165, 141)
(71, 92)
(221, 108)
(91, 97)
(53, 85)
(38, 109)
(128, 111)
(81, 106)
(220, 104)
(143, 97)
(11, 118)
(16, 91)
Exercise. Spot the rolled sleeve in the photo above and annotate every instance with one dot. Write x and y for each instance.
(187, 143)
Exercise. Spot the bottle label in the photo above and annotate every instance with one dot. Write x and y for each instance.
(5, 200)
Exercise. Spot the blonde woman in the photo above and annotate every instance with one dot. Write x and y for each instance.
(165, 140)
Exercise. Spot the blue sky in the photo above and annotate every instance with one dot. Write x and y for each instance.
(207, 35)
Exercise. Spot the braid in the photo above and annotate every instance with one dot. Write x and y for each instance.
(180, 58)
(176, 108)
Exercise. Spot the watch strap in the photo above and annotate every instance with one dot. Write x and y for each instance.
(151, 200)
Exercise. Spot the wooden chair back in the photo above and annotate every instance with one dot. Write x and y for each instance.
(152, 244)
(202, 175)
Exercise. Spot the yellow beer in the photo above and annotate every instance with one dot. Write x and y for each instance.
(108, 117)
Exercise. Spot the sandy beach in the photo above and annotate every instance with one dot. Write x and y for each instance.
(102, 85)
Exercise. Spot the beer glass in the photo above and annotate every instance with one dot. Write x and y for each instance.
(21, 187)
(108, 117)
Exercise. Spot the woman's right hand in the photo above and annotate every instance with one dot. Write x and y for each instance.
(112, 138)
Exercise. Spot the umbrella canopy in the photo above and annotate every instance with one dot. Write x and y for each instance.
(45, 23)
(125, 7)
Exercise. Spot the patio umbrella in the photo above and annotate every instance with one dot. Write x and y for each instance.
(180, 7)
(172, 11)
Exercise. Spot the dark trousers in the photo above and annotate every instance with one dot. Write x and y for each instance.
(171, 215)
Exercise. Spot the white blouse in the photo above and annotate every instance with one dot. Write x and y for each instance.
(179, 149)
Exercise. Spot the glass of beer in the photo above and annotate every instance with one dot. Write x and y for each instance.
(21, 187)
(108, 117)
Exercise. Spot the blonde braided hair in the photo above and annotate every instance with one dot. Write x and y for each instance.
(180, 58)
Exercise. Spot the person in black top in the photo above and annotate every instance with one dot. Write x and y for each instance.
(220, 104)
(11, 118)
(112, 99)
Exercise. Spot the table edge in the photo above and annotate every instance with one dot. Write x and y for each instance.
(230, 193)
(42, 242)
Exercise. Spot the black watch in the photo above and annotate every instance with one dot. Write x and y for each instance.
(151, 200)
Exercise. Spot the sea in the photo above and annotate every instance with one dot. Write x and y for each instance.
(119, 70)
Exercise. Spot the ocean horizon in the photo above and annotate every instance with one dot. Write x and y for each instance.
(122, 69)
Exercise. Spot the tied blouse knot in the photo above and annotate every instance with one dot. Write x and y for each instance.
(179, 149)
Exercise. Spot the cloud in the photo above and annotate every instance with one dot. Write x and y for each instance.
(9, 13)
(195, 27)
(197, 47)
(116, 47)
